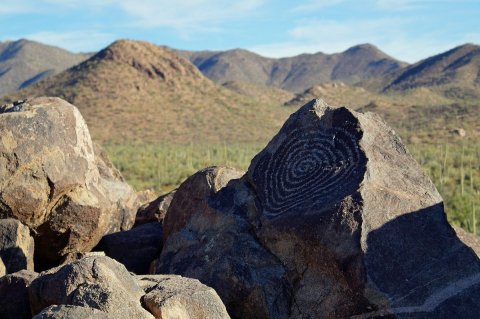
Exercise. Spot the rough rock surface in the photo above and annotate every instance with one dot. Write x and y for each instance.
(16, 246)
(170, 297)
(471, 240)
(3, 269)
(93, 282)
(120, 194)
(208, 240)
(14, 299)
(135, 248)
(155, 210)
(72, 312)
(334, 218)
(51, 180)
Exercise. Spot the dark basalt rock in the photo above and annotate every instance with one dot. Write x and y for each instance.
(334, 218)
(135, 248)
(208, 239)
(155, 210)
(14, 299)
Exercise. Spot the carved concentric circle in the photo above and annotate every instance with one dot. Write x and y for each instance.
(309, 169)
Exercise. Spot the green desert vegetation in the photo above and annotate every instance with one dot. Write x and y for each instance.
(430, 133)
(161, 119)
(453, 167)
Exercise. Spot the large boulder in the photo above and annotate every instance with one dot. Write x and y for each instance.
(16, 246)
(209, 239)
(171, 297)
(135, 248)
(93, 282)
(52, 181)
(347, 217)
(14, 299)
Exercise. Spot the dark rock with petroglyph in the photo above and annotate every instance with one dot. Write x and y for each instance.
(94, 282)
(350, 223)
(16, 246)
(14, 299)
(135, 248)
(171, 296)
(50, 180)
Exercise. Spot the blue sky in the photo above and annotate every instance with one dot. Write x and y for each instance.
(406, 29)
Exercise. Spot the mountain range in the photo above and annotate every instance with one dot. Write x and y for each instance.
(25, 62)
(138, 91)
(456, 73)
(298, 73)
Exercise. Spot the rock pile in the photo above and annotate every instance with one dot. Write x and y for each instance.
(100, 287)
(59, 196)
(333, 219)
(56, 183)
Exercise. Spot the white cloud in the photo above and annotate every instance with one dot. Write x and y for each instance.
(329, 36)
(312, 5)
(75, 41)
(332, 36)
(15, 7)
(183, 15)
(402, 5)
(187, 15)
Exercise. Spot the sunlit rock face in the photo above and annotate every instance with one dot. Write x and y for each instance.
(52, 180)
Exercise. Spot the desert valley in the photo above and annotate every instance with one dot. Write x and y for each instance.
(143, 181)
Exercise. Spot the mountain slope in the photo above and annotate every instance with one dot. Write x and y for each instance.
(455, 73)
(25, 62)
(296, 73)
(136, 91)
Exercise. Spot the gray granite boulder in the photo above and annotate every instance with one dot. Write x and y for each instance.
(344, 222)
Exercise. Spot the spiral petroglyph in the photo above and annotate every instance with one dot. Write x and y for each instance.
(309, 168)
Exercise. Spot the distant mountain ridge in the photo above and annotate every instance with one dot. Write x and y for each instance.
(455, 73)
(25, 62)
(135, 91)
(358, 63)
